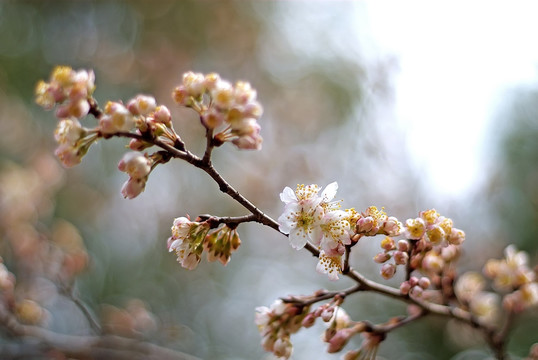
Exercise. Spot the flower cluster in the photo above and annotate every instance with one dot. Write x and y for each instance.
(309, 216)
(72, 89)
(223, 105)
(436, 241)
(190, 238)
(276, 323)
(513, 275)
(376, 222)
(433, 228)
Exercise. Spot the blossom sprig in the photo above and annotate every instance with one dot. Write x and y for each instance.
(232, 109)
(191, 238)
(277, 323)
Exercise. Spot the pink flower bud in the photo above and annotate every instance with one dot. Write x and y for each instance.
(405, 287)
(327, 313)
(381, 257)
(392, 227)
(68, 155)
(388, 271)
(340, 339)
(424, 282)
(308, 320)
(162, 115)
(432, 262)
(135, 164)
(132, 188)
(403, 245)
(401, 258)
(365, 225)
(416, 292)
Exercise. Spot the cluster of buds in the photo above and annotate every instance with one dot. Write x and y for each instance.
(137, 166)
(374, 222)
(436, 242)
(223, 105)
(190, 238)
(512, 274)
(310, 216)
(415, 286)
(151, 120)
(221, 243)
(398, 252)
(71, 89)
(276, 324)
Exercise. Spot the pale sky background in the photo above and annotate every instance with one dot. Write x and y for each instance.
(455, 61)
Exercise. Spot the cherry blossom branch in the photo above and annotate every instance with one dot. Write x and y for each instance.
(310, 221)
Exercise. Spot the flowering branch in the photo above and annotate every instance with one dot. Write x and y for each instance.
(427, 250)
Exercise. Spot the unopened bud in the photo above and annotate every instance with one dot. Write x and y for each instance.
(403, 245)
(401, 257)
(388, 271)
(381, 258)
(424, 282)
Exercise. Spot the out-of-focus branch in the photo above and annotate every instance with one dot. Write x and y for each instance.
(69, 292)
(82, 347)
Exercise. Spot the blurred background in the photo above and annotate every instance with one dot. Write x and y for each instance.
(408, 106)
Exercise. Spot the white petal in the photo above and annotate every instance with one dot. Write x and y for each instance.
(287, 195)
(297, 238)
(316, 235)
(284, 225)
(330, 192)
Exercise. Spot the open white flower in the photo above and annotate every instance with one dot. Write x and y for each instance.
(304, 211)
